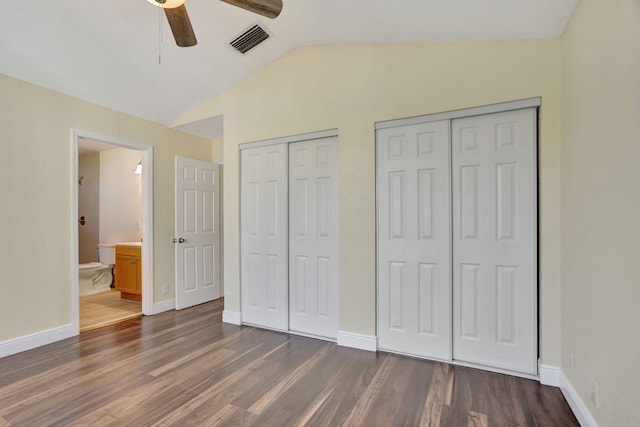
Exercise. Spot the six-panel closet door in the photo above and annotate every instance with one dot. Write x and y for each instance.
(494, 240)
(414, 240)
(264, 236)
(313, 237)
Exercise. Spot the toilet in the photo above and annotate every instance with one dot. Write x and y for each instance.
(96, 277)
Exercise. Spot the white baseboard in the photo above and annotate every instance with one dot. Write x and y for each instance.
(27, 342)
(162, 306)
(553, 376)
(233, 317)
(359, 341)
(576, 403)
(549, 375)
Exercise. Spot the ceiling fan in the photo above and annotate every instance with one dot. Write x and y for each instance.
(181, 25)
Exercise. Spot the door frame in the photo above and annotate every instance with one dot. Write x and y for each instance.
(535, 102)
(147, 220)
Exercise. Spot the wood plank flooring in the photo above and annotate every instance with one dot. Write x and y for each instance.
(105, 308)
(187, 368)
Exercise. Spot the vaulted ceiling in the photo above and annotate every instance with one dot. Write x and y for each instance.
(108, 52)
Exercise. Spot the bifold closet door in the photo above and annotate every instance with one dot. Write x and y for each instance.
(313, 237)
(494, 240)
(414, 239)
(264, 236)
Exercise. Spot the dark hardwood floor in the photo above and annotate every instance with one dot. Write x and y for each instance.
(188, 368)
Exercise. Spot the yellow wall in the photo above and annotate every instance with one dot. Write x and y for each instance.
(601, 206)
(216, 149)
(35, 198)
(352, 87)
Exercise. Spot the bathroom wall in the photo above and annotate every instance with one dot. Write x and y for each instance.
(120, 196)
(89, 206)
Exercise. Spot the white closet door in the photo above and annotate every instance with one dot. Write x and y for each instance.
(264, 236)
(494, 240)
(414, 240)
(313, 237)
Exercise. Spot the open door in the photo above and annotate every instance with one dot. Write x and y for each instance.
(197, 232)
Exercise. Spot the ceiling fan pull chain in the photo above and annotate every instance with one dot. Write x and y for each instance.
(160, 36)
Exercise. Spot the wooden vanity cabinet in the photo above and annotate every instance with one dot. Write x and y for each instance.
(129, 272)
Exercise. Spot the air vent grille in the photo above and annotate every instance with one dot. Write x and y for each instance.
(249, 39)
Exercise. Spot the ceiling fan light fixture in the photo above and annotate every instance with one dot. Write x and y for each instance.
(167, 4)
(180, 24)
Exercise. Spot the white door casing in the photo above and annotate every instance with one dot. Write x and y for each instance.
(264, 236)
(414, 237)
(313, 237)
(197, 257)
(494, 240)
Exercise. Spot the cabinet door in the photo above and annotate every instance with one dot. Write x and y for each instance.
(414, 238)
(138, 284)
(128, 274)
(494, 240)
(263, 230)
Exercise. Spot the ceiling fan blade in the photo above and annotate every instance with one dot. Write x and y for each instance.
(181, 26)
(268, 8)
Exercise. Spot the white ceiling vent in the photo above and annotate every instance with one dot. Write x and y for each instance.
(249, 39)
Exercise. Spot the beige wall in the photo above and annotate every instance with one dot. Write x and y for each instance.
(350, 88)
(35, 205)
(601, 207)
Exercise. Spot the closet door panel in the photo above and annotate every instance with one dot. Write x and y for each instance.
(264, 236)
(414, 235)
(313, 237)
(494, 240)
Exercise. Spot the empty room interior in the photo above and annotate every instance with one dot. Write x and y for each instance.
(320, 213)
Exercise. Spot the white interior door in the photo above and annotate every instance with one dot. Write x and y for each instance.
(313, 237)
(494, 240)
(264, 236)
(414, 237)
(197, 235)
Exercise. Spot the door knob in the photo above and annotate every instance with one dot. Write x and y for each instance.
(180, 240)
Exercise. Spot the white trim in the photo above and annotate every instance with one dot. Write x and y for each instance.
(359, 341)
(330, 133)
(465, 112)
(232, 317)
(268, 328)
(549, 375)
(313, 336)
(80, 133)
(75, 279)
(147, 232)
(147, 221)
(162, 306)
(488, 368)
(27, 342)
(576, 403)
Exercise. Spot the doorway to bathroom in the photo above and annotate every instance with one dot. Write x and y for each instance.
(111, 231)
